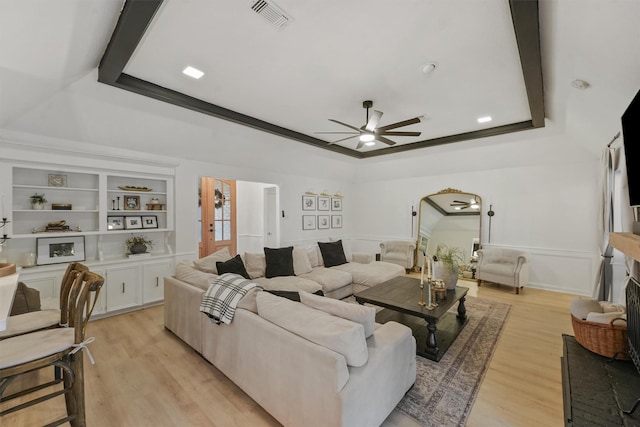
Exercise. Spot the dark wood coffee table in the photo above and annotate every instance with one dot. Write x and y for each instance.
(435, 329)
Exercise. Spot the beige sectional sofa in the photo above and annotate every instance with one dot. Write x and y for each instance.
(307, 366)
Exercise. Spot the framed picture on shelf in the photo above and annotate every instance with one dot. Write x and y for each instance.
(336, 204)
(308, 222)
(323, 222)
(150, 221)
(131, 203)
(57, 250)
(115, 223)
(57, 180)
(336, 221)
(308, 203)
(132, 222)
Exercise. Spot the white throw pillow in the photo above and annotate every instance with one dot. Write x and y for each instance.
(366, 316)
(188, 273)
(301, 263)
(255, 264)
(312, 253)
(340, 335)
(208, 263)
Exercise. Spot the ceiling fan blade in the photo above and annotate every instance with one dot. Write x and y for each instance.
(360, 144)
(343, 139)
(373, 120)
(385, 140)
(400, 124)
(399, 133)
(344, 124)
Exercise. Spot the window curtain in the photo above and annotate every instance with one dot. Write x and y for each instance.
(602, 289)
(612, 204)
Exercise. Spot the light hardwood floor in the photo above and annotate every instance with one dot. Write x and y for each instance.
(145, 376)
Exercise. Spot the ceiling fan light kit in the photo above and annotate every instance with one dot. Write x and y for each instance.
(370, 132)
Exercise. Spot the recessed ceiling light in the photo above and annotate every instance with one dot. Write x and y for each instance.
(484, 119)
(370, 143)
(193, 72)
(366, 137)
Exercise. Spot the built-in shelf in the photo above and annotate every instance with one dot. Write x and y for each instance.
(627, 243)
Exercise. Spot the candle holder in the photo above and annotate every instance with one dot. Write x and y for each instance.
(4, 237)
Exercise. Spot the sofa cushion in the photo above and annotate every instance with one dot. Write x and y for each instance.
(288, 283)
(187, 272)
(255, 263)
(366, 316)
(340, 335)
(279, 262)
(301, 263)
(314, 255)
(581, 307)
(332, 253)
(208, 263)
(234, 265)
(330, 278)
(371, 274)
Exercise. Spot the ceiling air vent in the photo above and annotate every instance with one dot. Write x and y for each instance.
(272, 13)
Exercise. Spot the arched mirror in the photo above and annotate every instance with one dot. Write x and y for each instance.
(453, 218)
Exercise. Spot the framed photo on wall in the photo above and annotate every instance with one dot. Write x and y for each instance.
(323, 222)
(336, 204)
(132, 222)
(57, 250)
(308, 222)
(324, 203)
(308, 203)
(336, 221)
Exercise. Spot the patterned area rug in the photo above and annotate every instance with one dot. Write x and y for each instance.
(444, 391)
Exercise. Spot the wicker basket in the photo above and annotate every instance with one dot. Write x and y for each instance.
(607, 340)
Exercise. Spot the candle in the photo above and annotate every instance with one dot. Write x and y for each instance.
(429, 274)
(422, 271)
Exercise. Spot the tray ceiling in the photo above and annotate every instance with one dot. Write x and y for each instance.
(333, 55)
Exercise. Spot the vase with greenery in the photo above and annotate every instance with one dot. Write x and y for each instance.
(37, 201)
(138, 244)
(447, 266)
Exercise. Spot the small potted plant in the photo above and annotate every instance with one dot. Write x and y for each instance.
(138, 244)
(447, 266)
(37, 201)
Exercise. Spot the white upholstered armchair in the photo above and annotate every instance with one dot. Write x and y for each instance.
(503, 266)
(399, 252)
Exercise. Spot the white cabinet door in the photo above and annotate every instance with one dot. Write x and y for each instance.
(153, 282)
(123, 287)
(101, 304)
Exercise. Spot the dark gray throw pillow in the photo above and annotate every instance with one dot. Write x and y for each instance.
(332, 253)
(234, 265)
(279, 262)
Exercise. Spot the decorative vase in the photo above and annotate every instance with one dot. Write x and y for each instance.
(37, 206)
(138, 248)
(448, 276)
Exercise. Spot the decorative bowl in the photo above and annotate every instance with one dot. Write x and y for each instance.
(7, 269)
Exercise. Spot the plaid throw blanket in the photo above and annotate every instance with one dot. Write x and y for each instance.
(221, 299)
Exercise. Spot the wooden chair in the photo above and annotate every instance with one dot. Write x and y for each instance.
(60, 347)
(45, 319)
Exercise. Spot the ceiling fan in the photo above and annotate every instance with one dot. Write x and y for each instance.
(370, 131)
(459, 204)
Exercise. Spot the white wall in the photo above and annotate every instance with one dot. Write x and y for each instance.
(543, 191)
